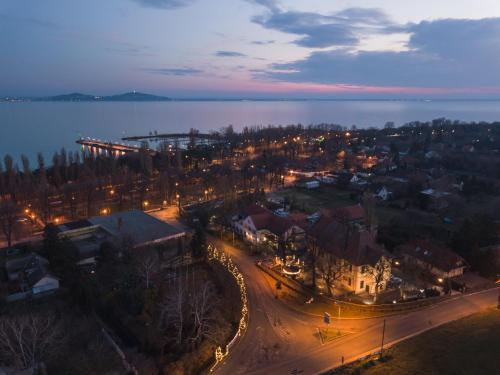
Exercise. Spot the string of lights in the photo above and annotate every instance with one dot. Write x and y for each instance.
(225, 260)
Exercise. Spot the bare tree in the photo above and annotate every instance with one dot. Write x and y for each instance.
(148, 266)
(173, 308)
(332, 269)
(8, 219)
(202, 304)
(27, 340)
(380, 273)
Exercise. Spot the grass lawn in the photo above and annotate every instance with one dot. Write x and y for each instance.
(311, 200)
(470, 346)
(330, 334)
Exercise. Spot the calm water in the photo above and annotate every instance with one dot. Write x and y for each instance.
(31, 127)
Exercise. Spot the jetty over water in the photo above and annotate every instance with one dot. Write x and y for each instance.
(181, 139)
(98, 147)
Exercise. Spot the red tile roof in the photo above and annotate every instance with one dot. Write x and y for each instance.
(263, 218)
(347, 213)
(346, 241)
(433, 253)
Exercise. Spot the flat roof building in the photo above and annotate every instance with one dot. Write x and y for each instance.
(142, 229)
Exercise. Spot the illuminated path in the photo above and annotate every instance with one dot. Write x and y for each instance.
(282, 341)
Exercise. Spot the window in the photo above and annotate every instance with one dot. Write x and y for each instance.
(350, 267)
(349, 281)
(361, 284)
(364, 269)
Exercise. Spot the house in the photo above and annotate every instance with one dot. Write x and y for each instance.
(352, 215)
(261, 226)
(437, 200)
(137, 226)
(384, 194)
(28, 276)
(343, 238)
(308, 183)
(433, 257)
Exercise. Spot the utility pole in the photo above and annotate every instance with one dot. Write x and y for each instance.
(383, 336)
(338, 320)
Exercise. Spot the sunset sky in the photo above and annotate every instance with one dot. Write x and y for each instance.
(252, 48)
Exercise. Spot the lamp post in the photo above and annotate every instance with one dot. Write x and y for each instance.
(382, 345)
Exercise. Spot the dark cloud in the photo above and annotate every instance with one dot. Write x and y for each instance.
(343, 28)
(262, 42)
(165, 4)
(443, 53)
(229, 54)
(174, 71)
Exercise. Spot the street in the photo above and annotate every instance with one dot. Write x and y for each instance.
(283, 341)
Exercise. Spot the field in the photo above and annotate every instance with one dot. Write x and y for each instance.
(311, 200)
(467, 346)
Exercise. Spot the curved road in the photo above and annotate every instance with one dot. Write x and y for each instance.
(283, 341)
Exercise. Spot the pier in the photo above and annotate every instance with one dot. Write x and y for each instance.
(98, 147)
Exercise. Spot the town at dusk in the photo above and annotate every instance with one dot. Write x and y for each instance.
(261, 187)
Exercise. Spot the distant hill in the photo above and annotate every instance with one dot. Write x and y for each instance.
(135, 97)
(127, 97)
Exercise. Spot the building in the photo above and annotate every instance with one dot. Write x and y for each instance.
(27, 276)
(384, 194)
(433, 257)
(259, 225)
(136, 226)
(343, 238)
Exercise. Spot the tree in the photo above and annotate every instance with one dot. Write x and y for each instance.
(202, 303)
(8, 219)
(27, 340)
(61, 253)
(380, 273)
(198, 243)
(173, 308)
(332, 269)
(148, 266)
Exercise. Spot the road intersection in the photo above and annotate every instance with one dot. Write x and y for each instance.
(280, 340)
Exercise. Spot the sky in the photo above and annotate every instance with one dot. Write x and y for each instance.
(252, 48)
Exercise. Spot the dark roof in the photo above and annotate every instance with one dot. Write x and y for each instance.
(29, 261)
(141, 227)
(74, 225)
(254, 209)
(346, 241)
(432, 253)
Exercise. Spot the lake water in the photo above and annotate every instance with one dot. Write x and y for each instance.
(47, 126)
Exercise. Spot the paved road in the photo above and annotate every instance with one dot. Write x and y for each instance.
(283, 341)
